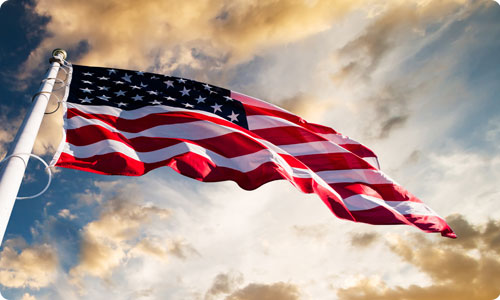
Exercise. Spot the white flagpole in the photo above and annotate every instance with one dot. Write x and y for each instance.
(12, 170)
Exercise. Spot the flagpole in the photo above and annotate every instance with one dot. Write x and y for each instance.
(12, 170)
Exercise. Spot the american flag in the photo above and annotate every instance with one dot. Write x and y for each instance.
(122, 122)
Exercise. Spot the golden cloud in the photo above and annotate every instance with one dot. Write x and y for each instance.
(364, 240)
(275, 291)
(224, 283)
(167, 35)
(33, 267)
(27, 296)
(108, 240)
(462, 269)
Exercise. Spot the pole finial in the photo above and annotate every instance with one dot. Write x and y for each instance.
(58, 55)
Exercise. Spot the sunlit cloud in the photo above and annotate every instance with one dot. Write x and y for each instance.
(461, 269)
(23, 266)
(108, 240)
(275, 291)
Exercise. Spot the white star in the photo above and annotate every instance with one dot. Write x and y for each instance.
(137, 98)
(121, 104)
(119, 82)
(127, 77)
(233, 116)
(104, 97)
(228, 98)
(216, 107)
(111, 71)
(88, 74)
(213, 92)
(87, 82)
(155, 102)
(207, 87)
(135, 87)
(86, 90)
(140, 73)
(170, 98)
(120, 93)
(86, 100)
(103, 88)
(200, 99)
(181, 80)
(153, 92)
(102, 78)
(154, 77)
(188, 105)
(143, 85)
(185, 92)
(169, 83)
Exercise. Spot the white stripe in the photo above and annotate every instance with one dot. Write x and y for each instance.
(320, 147)
(355, 175)
(256, 102)
(265, 121)
(192, 130)
(372, 161)
(339, 139)
(364, 202)
(244, 163)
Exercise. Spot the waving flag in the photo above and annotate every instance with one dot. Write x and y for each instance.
(122, 122)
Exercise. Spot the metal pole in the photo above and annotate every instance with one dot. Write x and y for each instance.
(12, 170)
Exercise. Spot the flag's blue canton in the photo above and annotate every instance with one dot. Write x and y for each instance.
(130, 90)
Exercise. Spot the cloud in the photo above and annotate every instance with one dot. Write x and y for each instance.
(275, 291)
(33, 266)
(465, 268)
(66, 214)
(224, 283)
(107, 241)
(153, 35)
(27, 296)
(376, 60)
(396, 21)
(363, 240)
(317, 231)
(8, 129)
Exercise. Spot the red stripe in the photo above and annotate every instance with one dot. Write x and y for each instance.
(287, 135)
(333, 161)
(251, 110)
(387, 192)
(242, 144)
(359, 150)
(382, 216)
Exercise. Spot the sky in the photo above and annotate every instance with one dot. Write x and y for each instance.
(414, 80)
